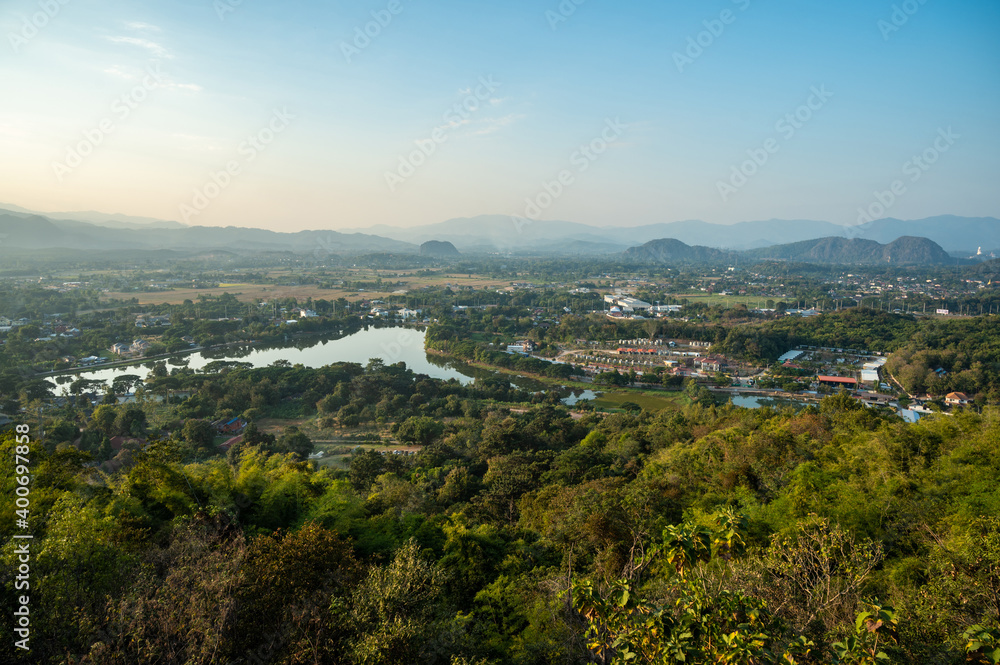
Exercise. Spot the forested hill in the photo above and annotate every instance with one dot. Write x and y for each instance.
(669, 250)
(514, 536)
(833, 250)
(856, 328)
(857, 251)
(951, 355)
(438, 249)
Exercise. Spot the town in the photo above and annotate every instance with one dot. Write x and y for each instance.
(406, 397)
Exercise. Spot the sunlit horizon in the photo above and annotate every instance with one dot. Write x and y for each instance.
(305, 116)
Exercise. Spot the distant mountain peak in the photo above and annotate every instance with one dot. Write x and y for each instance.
(438, 249)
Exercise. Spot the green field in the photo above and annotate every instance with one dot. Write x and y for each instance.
(714, 299)
(647, 400)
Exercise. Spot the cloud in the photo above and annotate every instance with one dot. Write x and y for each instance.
(492, 125)
(165, 82)
(119, 72)
(156, 49)
(190, 87)
(139, 26)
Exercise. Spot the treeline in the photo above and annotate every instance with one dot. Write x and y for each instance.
(858, 328)
(712, 534)
(953, 355)
(447, 340)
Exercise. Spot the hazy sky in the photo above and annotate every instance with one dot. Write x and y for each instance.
(647, 111)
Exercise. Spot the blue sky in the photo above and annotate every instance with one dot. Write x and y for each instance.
(273, 115)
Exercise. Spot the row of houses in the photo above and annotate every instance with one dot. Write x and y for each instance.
(6, 324)
(405, 314)
(151, 321)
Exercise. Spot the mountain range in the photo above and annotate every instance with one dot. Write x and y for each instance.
(906, 250)
(492, 233)
(26, 229)
(22, 230)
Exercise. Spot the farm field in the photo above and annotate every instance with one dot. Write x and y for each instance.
(249, 293)
(252, 293)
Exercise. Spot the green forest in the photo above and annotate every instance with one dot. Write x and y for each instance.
(967, 350)
(519, 533)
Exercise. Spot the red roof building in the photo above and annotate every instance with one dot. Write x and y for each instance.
(837, 381)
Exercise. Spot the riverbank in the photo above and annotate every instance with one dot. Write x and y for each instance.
(134, 362)
(650, 397)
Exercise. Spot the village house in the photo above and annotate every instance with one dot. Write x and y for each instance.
(119, 442)
(711, 363)
(234, 426)
(526, 346)
(139, 347)
(957, 399)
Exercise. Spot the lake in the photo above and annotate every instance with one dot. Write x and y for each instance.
(390, 345)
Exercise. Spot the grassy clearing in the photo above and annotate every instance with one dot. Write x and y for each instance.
(715, 299)
(649, 401)
(338, 455)
(336, 443)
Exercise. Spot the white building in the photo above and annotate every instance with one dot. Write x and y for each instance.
(526, 346)
(869, 376)
(628, 305)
